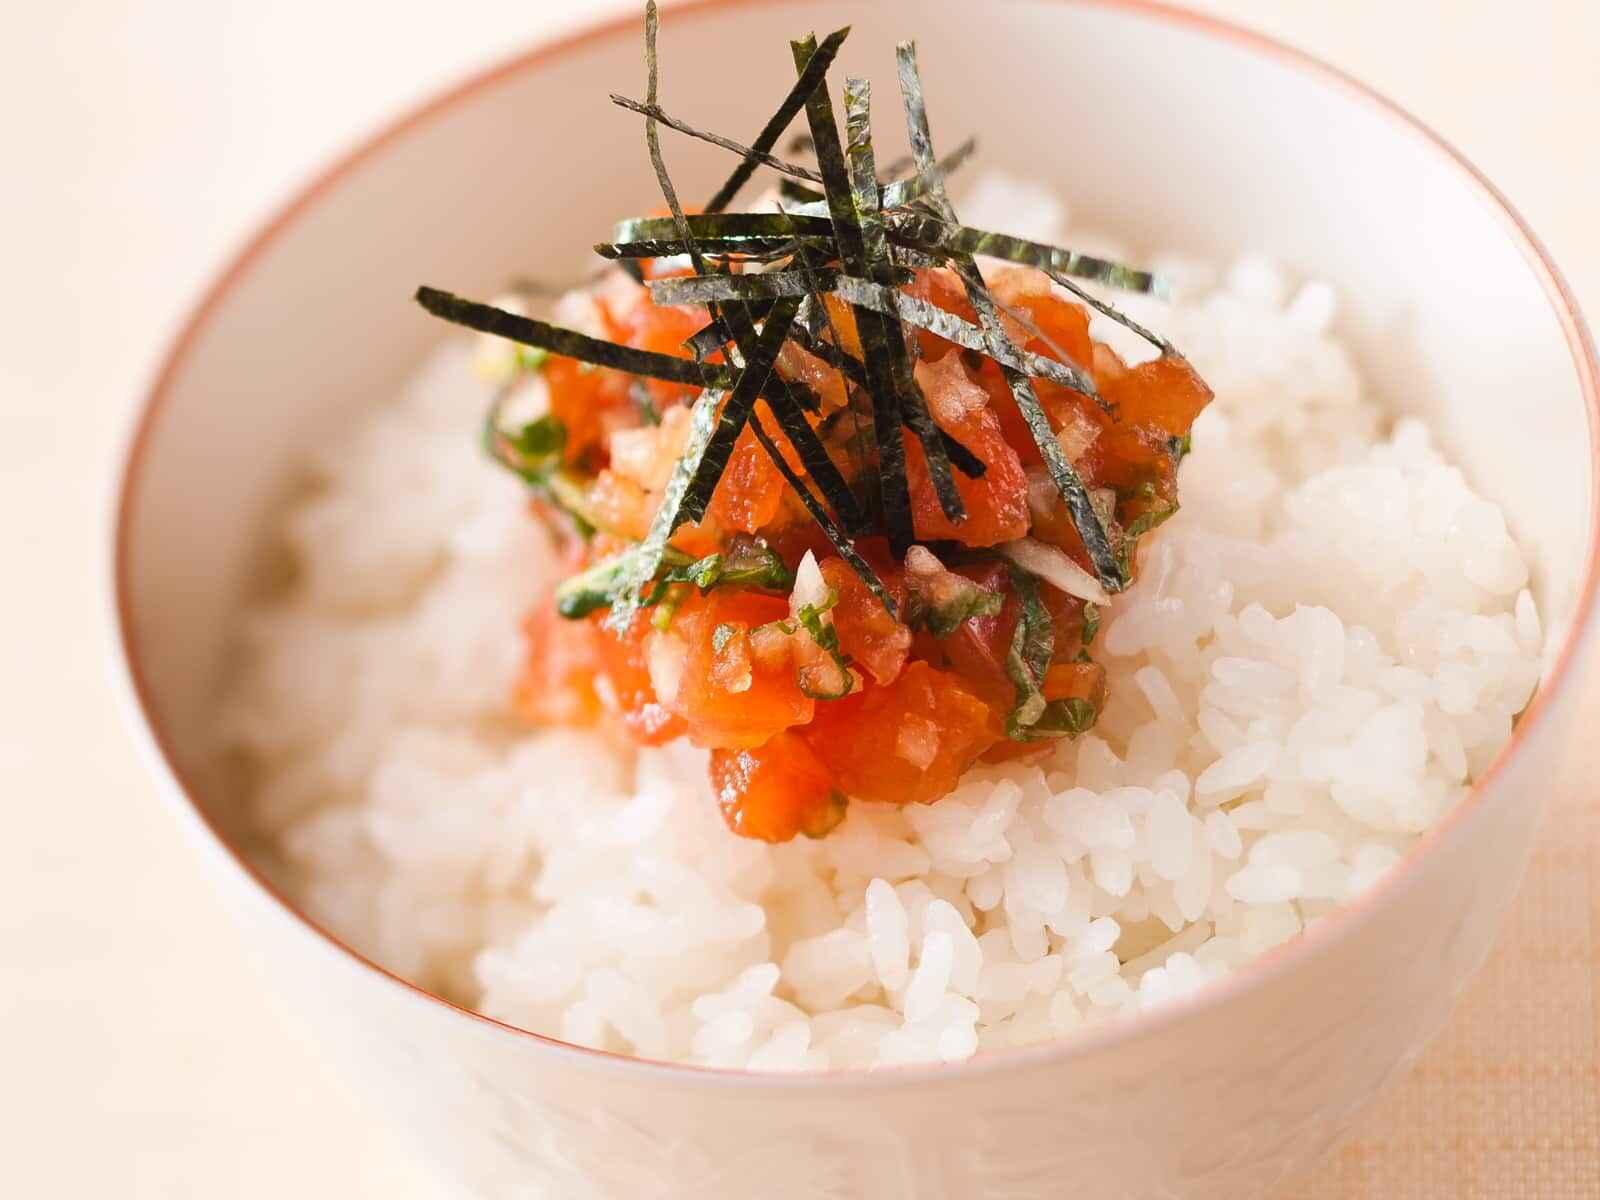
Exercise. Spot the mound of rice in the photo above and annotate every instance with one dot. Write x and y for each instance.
(1324, 647)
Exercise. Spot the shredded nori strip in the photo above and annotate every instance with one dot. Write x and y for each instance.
(569, 343)
(708, 445)
(929, 233)
(808, 445)
(650, 109)
(821, 348)
(641, 569)
(1111, 571)
(912, 405)
(768, 285)
(894, 494)
(741, 403)
(721, 229)
(904, 191)
(857, 238)
(759, 353)
(757, 246)
(810, 79)
(913, 310)
(812, 318)
(705, 457)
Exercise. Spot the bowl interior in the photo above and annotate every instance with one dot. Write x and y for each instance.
(1152, 127)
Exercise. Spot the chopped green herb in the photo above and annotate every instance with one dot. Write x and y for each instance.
(1091, 622)
(543, 438)
(826, 820)
(889, 335)
(1028, 657)
(1063, 718)
(831, 679)
(941, 604)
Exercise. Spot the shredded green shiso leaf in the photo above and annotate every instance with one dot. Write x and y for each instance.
(847, 231)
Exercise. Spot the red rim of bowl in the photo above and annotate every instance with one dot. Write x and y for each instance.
(1279, 960)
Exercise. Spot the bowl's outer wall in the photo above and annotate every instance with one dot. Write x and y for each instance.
(1213, 147)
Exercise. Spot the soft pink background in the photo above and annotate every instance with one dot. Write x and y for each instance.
(138, 1058)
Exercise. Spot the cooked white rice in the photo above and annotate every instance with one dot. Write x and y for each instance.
(1324, 647)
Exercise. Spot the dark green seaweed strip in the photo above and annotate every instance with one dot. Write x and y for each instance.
(759, 353)
(904, 191)
(652, 110)
(683, 495)
(894, 494)
(997, 343)
(705, 289)
(929, 233)
(962, 459)
(569, 343)
(718, 228)
(815, 456)
(789, 398)
(708, 341)
(819, 513)
(1115, 314)
(704, 424)
(652, 140)
(741, 403)
(889, 335)
(637, 248)
(834, 175)
(799, 192)
(767, 285)
(1065, 476)
(916, 311)
(810, 321)
(816, 71)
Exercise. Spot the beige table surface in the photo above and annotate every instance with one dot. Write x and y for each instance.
(141, 140)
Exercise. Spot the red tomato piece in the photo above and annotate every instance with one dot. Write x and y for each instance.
(622, 659)
(556, 686)
(906, 742)
(729, 697)
(867, 633)
(776, 790)
(997, 502)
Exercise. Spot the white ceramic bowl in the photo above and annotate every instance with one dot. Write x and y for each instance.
(1164, 126)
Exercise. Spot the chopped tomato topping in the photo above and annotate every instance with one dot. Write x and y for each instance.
(1164, 392)
(578, 401)
(996, 503)
(731, 695)
(942, 288)
(556, 686)
(929, 689)
(907, 742)
(622, 659)
(776, 790)
(1084, 681)
(750, 492)
(620, 506)
(867, 633)
(977, 650)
